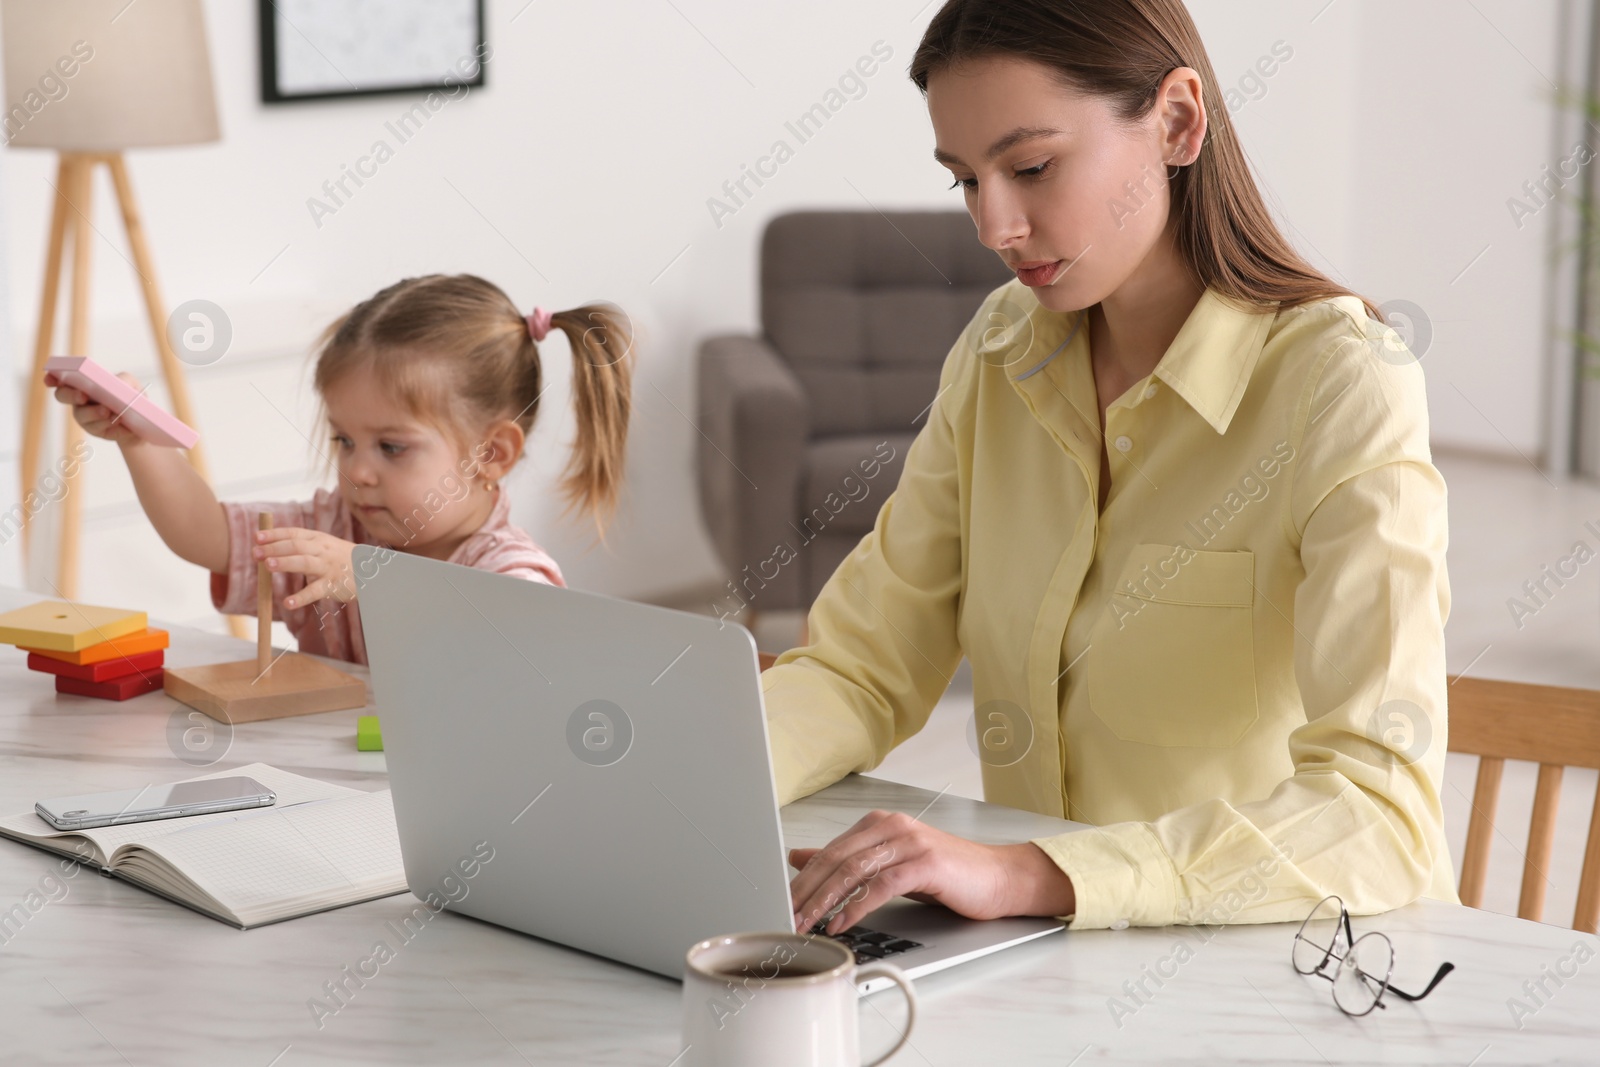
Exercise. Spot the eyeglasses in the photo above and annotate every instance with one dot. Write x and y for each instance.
(1365, 964)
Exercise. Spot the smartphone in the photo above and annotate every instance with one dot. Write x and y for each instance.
(154, 802)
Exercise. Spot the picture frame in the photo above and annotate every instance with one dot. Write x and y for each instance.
(334, 49)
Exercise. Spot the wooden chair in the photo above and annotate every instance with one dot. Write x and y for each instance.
(1548, 725)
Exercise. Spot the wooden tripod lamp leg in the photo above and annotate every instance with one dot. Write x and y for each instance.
(144, 264)
(38, 395)
(81, 200)
(263, 604)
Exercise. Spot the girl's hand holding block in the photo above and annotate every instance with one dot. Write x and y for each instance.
(115, 404)
(97, 419)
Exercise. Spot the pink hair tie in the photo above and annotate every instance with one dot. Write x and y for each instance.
(539, 323)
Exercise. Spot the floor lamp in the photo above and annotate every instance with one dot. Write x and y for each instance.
(88, 79)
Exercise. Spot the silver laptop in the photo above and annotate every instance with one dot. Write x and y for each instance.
(609, 759)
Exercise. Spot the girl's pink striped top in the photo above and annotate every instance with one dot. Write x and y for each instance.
(328, 627)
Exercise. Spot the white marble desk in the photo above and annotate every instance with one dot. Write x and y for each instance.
(109, 974)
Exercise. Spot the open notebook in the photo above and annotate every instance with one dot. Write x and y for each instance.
(320, 846)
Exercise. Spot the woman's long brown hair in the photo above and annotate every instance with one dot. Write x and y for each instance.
(1121, 50)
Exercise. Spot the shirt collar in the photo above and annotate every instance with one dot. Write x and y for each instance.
(499, 518)
(1210, 361)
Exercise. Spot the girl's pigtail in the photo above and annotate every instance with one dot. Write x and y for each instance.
(601, 336)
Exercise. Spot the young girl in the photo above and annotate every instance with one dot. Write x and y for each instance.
(430, 389)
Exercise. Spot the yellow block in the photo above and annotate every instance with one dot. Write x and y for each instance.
(58, 626)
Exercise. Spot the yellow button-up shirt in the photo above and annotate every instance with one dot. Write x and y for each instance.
(1235, 672)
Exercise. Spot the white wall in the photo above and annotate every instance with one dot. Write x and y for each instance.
(1454, 106)
(1388, 143)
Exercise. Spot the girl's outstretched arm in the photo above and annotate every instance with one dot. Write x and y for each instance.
(180, 504)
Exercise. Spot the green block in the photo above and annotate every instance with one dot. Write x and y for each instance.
(368, 736)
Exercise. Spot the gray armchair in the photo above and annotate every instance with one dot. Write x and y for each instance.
(804, 428)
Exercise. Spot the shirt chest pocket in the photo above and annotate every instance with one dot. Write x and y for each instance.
(1172, 662)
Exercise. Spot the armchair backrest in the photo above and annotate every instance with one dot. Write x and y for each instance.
(864, 307)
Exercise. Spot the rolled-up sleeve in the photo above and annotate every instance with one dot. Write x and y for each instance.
(1361, 814)
(233, 592)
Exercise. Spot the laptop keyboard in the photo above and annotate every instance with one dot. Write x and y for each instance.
(869, 944)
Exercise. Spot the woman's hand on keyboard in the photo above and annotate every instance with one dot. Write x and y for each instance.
(889, 854)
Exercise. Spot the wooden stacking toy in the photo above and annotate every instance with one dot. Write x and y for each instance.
(267, 687)
(92, 651)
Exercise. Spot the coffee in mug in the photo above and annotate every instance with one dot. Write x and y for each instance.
(778, 1000)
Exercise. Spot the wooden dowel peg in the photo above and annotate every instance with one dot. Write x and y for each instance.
(263, 603)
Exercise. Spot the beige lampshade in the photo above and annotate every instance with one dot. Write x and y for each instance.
(104, 75)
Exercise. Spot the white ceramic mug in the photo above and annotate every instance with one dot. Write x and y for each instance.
(778, 1000)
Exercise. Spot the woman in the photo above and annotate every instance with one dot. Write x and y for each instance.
(1175, 504)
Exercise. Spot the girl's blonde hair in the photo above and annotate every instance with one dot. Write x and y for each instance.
(1121, 50)
(459, 355)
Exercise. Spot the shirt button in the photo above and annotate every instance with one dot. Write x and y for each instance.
(1150, 390)
(1124, 443)
(1120, 924)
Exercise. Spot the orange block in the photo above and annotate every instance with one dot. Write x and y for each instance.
(148, 640)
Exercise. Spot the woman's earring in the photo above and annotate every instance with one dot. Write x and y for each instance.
(488, 487)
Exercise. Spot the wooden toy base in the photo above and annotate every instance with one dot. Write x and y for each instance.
(240, 692)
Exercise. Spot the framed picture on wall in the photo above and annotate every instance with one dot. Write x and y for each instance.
(321, 49)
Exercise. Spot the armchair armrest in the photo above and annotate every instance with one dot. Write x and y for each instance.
(754, 425)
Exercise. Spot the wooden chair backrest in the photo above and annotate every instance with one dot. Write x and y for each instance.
(1549, 725)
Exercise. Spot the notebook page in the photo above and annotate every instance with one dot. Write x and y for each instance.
(285, 861)
(291, 789)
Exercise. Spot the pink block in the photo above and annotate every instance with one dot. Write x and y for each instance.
(138, 412)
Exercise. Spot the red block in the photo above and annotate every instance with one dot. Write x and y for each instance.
(98, 672)
(129, 685)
